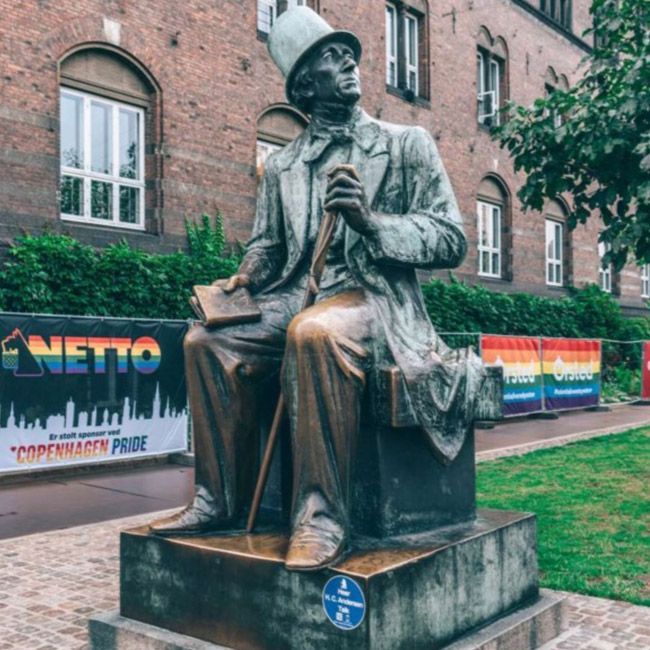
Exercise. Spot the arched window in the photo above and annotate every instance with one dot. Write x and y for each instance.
(407, 49)
(557, 246)
(276, 127)
(105, 121)
(491, 78)
(552, 83)
(492, 219)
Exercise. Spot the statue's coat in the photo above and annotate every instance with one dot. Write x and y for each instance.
(418, 225)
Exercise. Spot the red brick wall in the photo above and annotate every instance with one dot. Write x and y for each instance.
(216, 77)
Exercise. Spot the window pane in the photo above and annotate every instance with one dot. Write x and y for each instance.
(71, 131)
(485, 262)
(72, 195)
(494, 75)
(129, 143)
(495, 264)
(101, 200)
(265, 14)
(482, 237)
(264, 150)
(129, 204)
(101, 137)
(550, 240)
(392, 75)
(558, 241)
(390, 31)
(496, 227)
(412, 40)
(412, 82)
(480, 86)
(391, 47)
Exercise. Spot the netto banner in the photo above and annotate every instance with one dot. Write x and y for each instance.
(520, 358)
(571, 373)
(86, 390)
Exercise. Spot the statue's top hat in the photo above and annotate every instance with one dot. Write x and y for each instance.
(296, 34)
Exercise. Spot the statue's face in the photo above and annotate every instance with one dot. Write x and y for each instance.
(335, 74)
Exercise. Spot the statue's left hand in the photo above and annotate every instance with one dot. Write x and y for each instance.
(347, 196)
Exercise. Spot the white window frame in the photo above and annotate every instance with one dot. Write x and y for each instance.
(263, 149)
(114, 178)
(490, 246)
(554, 254)
(391, 45)
(645, 280)
(604, 272)
(491, 93)
(411, 46)
(265, 24)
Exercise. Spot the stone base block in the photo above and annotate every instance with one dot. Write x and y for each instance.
(525, 629)
(407, 593)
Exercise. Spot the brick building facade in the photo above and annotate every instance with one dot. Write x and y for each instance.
(184, 102)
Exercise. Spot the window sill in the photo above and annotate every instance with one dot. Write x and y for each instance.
(493, 279)
(488, 130)
(110, 225)
(407, 96)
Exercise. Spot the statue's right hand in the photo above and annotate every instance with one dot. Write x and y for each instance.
(233, 282)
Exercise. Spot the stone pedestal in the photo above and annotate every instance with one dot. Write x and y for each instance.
(400, 488)
(420, 591)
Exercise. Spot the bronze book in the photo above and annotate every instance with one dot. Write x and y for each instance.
(214, 307)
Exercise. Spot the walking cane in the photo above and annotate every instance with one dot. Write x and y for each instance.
(323, 241)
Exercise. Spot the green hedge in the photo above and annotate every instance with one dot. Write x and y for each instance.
(55, 274)
(587, 312)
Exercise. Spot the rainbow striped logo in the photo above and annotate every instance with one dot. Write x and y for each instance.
(77, 355)
(571, 372)
(520, 358)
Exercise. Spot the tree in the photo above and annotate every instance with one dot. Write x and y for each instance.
(593, 140)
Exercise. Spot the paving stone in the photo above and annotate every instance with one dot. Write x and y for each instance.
(53, 581)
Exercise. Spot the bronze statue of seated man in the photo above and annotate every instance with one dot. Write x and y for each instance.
(401, 215)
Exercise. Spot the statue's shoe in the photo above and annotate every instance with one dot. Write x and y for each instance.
(312, 548)
(191, 521)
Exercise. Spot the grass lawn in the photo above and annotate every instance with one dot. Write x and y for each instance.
(592, 501)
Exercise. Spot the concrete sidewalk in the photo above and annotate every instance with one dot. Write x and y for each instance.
(51, 583)
(58, 503)
(521, 435)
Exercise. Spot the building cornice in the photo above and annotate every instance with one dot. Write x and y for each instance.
(547, 20)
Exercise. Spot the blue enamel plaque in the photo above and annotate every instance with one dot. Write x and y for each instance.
(343, 602)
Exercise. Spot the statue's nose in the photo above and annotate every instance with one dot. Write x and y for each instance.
(348, 63)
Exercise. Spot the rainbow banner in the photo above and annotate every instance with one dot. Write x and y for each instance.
(571, 373)
(79, 390)
(520, 358)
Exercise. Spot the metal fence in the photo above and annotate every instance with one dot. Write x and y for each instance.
(621, 365)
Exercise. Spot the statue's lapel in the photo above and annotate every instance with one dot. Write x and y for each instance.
(295, 188)
(370, 156)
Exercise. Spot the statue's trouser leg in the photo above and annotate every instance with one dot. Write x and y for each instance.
(228, 370)
(329, 350)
